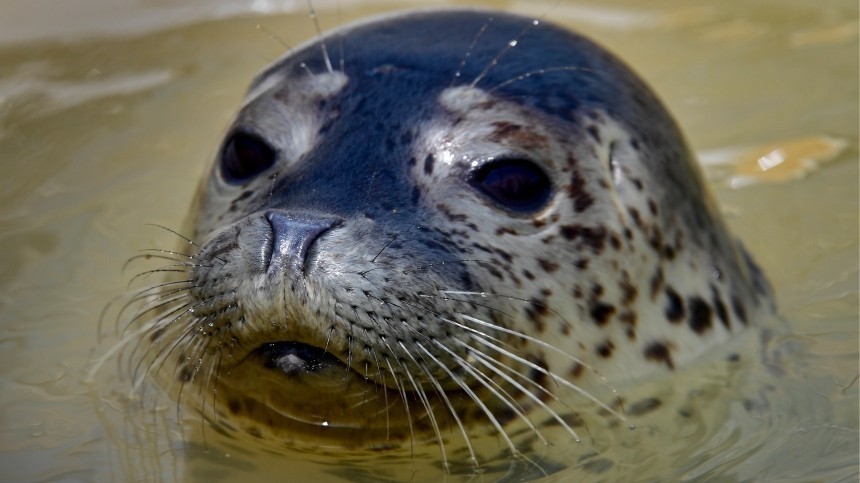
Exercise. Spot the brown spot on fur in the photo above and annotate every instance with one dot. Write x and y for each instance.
(601, 312)
(547, 265)
(628, 317)
(506, 230)
(656, 283)
(457, 217)
(576, 370)
(722, 313)
(494, 272)
(668, 252)
(505, 132)
(634, 214)
(536, 311)
(605, 349)
(529, 275)
(674, 310)
(615, 241)
(656, 241)
(577, 192)
(592, 237)
(659, 352)
(630, 332)
(581, 264)
(628, 290)
(700, 315)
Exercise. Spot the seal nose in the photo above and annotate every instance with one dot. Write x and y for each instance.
(292, 237)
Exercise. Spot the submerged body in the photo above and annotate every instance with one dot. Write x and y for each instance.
(444, 219)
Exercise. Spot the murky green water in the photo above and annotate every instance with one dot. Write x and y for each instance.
(106, 123)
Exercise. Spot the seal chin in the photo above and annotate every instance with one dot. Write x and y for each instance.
(303, 391)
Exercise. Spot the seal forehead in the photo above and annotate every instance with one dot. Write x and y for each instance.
(548, 66)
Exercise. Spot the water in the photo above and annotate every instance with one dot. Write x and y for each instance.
(109, 112)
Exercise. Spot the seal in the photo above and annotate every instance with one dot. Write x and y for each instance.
(443, 219)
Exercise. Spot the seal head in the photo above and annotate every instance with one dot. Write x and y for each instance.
(445, 218)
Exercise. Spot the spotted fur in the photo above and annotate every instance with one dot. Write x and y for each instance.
(361, 292)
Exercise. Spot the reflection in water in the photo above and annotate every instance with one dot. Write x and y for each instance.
(100, 137)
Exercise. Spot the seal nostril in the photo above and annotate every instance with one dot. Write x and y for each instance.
(292, 237)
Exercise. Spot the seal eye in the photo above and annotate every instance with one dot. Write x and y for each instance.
(518, 185)
(245, 156)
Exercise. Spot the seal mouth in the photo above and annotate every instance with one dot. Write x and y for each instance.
(296, 358)
(303, 392)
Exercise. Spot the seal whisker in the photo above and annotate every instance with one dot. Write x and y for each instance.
(401, 389)
(187, 240)
(153, 294)
(312, 12)
(167, 350)
(210, 376)
(150, 256)
(159, 357)
(162, 251)
(340, 38)
(148, 273)
(546, 346)
(424, 268)
(491, 364)
(521, 375)
(162, 323)
(508, 46)
(426, 403)
(467, 440)
(542, 71)
(157, 363)
(485, 295)
(116, 348)
(130, 299)
(392, 240)
(376, 386)
(552, 375)
(468, 390)
(157, 304)
(497, 390)
(459, 72)
(277, 38)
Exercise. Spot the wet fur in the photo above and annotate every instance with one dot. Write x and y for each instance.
(456, 316)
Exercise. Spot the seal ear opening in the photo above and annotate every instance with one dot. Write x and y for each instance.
(517, 185)
(244, 156)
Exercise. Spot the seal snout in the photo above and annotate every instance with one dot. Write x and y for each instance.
(292, 237)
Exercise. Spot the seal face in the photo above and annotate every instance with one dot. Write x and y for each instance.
(471, 215)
